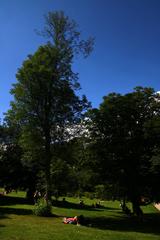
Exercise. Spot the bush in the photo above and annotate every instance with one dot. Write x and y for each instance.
(100, 191)
(42, 209)
(89, 195)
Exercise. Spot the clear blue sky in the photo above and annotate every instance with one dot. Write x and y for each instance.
(127, 43)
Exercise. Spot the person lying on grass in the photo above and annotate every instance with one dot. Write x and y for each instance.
(77, 220)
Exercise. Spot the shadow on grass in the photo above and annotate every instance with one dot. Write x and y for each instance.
(2, 216)
(2, 225)
(17, 211)
(150, 224)
(5, 211)
(66, 204)
(7, 200)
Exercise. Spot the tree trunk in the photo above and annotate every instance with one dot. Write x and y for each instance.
(47, 167)
(48, 184)
(136, 207)
(30, 194)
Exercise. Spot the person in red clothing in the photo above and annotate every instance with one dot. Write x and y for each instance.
(70, 220)
(75, 220)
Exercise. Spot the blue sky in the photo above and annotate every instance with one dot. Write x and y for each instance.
(127, 43)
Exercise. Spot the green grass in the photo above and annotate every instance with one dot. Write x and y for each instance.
(109, 223)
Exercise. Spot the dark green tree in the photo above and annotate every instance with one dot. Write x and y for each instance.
(45, 103)
(11, 171)
(124, 143)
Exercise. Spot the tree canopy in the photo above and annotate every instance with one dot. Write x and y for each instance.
(124, 132)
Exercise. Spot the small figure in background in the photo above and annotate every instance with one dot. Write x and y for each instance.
(81, 203)
(125, 209)
(37, 196)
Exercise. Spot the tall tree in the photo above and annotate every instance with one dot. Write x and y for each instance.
(45, 103)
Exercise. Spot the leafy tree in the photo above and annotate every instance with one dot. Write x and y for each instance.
(124, 143)
(70, 171)
(45, 103)
(153, 134)
(11, 166)
(82, 161)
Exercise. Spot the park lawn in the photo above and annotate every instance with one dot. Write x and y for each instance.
(18, 223)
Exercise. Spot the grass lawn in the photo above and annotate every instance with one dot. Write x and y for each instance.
(109, 223)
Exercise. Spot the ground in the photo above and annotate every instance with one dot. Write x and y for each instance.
(18, 223)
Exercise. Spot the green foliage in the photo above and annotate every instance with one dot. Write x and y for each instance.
(107, 191)
(41, 208)
(124, 134)
(90, 195)
(82, 164)
(63, 178)
(100, 192)
(13, 174)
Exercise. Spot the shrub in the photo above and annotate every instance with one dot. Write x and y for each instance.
(42, 209)
(89, 195)
(100, 191)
